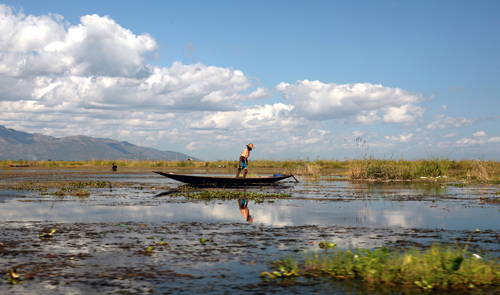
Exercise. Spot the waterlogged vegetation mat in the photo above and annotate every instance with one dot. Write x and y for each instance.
(85, 230)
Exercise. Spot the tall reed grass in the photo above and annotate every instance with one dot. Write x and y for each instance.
(372, 168)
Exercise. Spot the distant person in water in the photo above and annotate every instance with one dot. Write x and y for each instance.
(243, 203)
(243, 162)
(114, 167)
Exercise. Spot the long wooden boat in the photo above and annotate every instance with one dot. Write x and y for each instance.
(225, 181)
(19, 165)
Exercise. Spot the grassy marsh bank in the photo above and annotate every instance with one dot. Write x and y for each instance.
(438, 267)
(370, 168)
(432, 167)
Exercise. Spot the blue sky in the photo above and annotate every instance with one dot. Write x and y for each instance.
(297, 79)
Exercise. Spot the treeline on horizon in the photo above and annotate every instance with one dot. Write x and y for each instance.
(368, 168)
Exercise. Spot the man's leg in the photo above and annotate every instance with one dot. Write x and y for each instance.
(245, 174)
(239, 170)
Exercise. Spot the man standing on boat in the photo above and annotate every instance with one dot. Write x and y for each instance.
(243, 162)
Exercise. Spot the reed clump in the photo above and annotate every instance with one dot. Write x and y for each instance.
(380, 169)
(437, 268)
(478, 171)
(308, 169)
(372, 168)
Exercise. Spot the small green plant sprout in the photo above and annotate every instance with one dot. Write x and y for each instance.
(47, 235)
(326, 245)
(149, 250)
(203, 241)
(13, 274)
(286, 268)
(160, 243)
(14, 277)
(424, 285)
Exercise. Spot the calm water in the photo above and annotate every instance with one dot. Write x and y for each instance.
(332, 202)
(351, 214)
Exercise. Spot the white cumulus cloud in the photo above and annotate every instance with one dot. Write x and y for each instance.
(400, 138)
(33, 46)
(367, 118)
(479, 134)
(450, 122)
(477, 141)
(322, 101)
(449, 135)
(267, 116)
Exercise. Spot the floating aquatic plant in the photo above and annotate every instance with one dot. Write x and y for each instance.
(47, 235)
(83, 184)
(224, 194)
(14, 278)
(82, 193)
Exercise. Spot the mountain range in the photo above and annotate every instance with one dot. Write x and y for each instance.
(16, 145)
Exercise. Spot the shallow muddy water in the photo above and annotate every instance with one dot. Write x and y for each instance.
(101, 239)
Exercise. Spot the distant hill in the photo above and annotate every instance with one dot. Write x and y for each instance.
(17, 145)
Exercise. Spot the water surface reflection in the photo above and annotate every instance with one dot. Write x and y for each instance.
(378, 213)
(135, 197)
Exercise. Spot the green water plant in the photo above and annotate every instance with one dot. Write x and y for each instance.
(288, 267)
(325, 244)
(47, 235)
(436, 268)
(83, 184)
(149, 249)
(82, 193)
(160, 243)
(14, 278)
(229, 195)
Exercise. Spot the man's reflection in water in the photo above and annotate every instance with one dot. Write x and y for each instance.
(243, 203)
